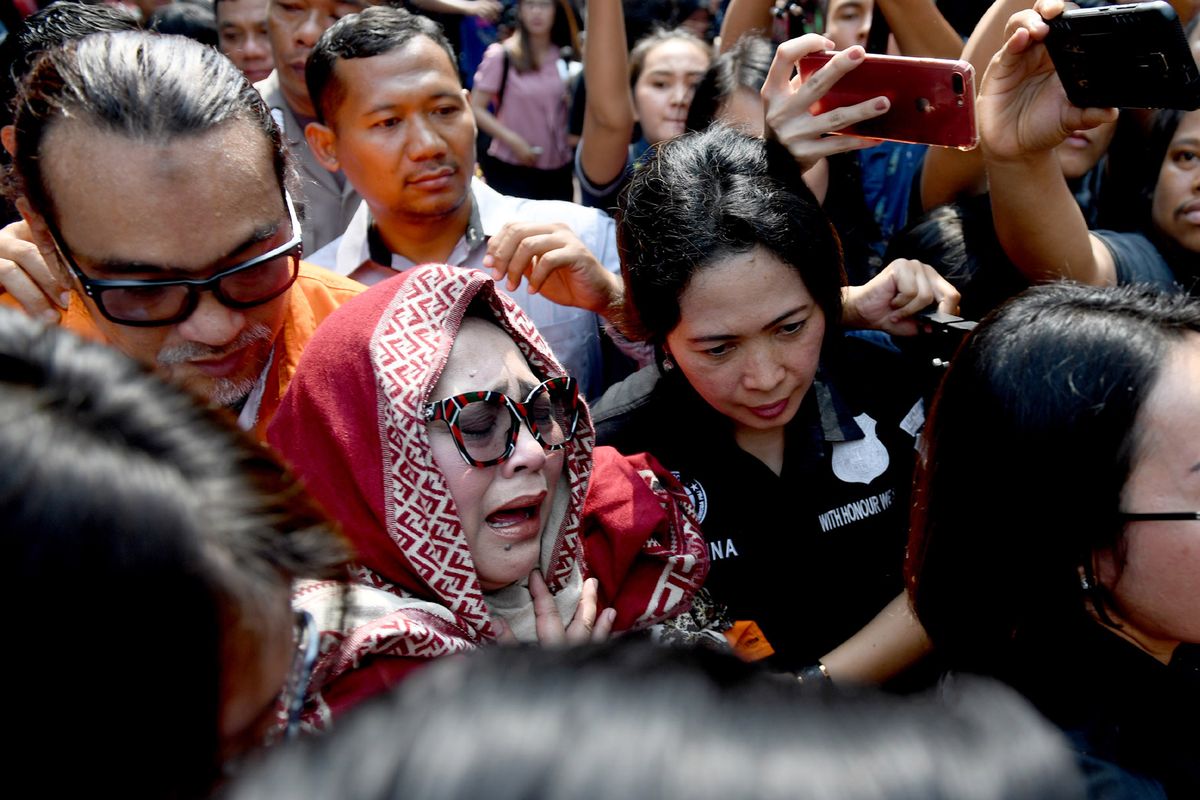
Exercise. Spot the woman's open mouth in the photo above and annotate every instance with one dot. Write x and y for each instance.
(518, 519)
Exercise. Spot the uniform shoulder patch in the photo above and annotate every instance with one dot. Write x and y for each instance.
(695, 492)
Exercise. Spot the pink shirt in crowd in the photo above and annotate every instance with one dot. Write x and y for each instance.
(534, 106)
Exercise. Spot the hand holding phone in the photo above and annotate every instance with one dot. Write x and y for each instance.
(1125, 56)
(932, 100)
(788, 102)
(1022, 107)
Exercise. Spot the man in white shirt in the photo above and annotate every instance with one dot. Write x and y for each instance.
(393, 116)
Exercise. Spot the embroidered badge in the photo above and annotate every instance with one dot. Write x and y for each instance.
(862, 460)
(695, 492)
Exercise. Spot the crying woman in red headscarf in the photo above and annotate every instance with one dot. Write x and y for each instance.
(432, 421)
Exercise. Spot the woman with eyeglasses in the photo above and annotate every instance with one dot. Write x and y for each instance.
(795, 443)
(432, 421)
(1056, 525)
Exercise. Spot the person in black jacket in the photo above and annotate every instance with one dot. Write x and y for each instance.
(1056, 537)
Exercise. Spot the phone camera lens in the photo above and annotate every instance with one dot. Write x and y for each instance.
(956, 81)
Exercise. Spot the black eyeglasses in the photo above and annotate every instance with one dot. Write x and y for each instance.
(485, 425)
(1159, 516)
(151, 303)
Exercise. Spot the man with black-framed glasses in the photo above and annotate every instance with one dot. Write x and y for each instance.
(151, 179)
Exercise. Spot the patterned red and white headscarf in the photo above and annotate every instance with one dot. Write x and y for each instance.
(352, 427)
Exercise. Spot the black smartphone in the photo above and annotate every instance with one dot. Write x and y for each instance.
(1127, 56)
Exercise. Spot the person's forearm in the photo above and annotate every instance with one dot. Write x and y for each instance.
(608, 116)
(491, 125)
(1037, 220)
(745, 16)
(951, 174)
(886, 646)
(817, 180)
(920, 29)
(606, 67)
(988, 37)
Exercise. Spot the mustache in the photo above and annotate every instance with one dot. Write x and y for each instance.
(196, 351)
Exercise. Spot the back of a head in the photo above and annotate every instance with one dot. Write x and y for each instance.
(632, 720)
(709, 195)
(194, 19)
(743, 66)
(140, 529)
(138, 85)
(52, 27)
(1031, 440)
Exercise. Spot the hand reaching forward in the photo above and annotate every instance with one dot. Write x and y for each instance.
(556, 264)
(888, 301)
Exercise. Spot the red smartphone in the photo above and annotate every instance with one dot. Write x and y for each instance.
(933, 99)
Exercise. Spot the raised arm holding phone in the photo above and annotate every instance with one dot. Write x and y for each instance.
(1024, 114)
(949, 175)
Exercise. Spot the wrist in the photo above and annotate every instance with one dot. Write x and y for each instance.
(850, 317)
(611, 310)
(1023, 160)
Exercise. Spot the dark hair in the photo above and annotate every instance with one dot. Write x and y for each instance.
(371, 32)
(194, 19)
(631, 720)
(645, 17)
(53, 26)
(744, 66)
(563, 33)
(217, 10)
(657, 36)
(1030, 443)
(706, 196)
(135, 84)
(959, 241)
(140, 530)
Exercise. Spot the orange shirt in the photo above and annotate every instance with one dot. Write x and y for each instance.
(315, 295)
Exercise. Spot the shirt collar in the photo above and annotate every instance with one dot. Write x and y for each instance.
(248, 416)
(488, 215)
(837, 420)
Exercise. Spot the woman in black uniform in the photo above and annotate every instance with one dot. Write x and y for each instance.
(796, 443)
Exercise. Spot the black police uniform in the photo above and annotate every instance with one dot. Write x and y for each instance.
(814, 553)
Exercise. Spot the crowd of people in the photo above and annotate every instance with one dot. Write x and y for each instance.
(366, 370)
